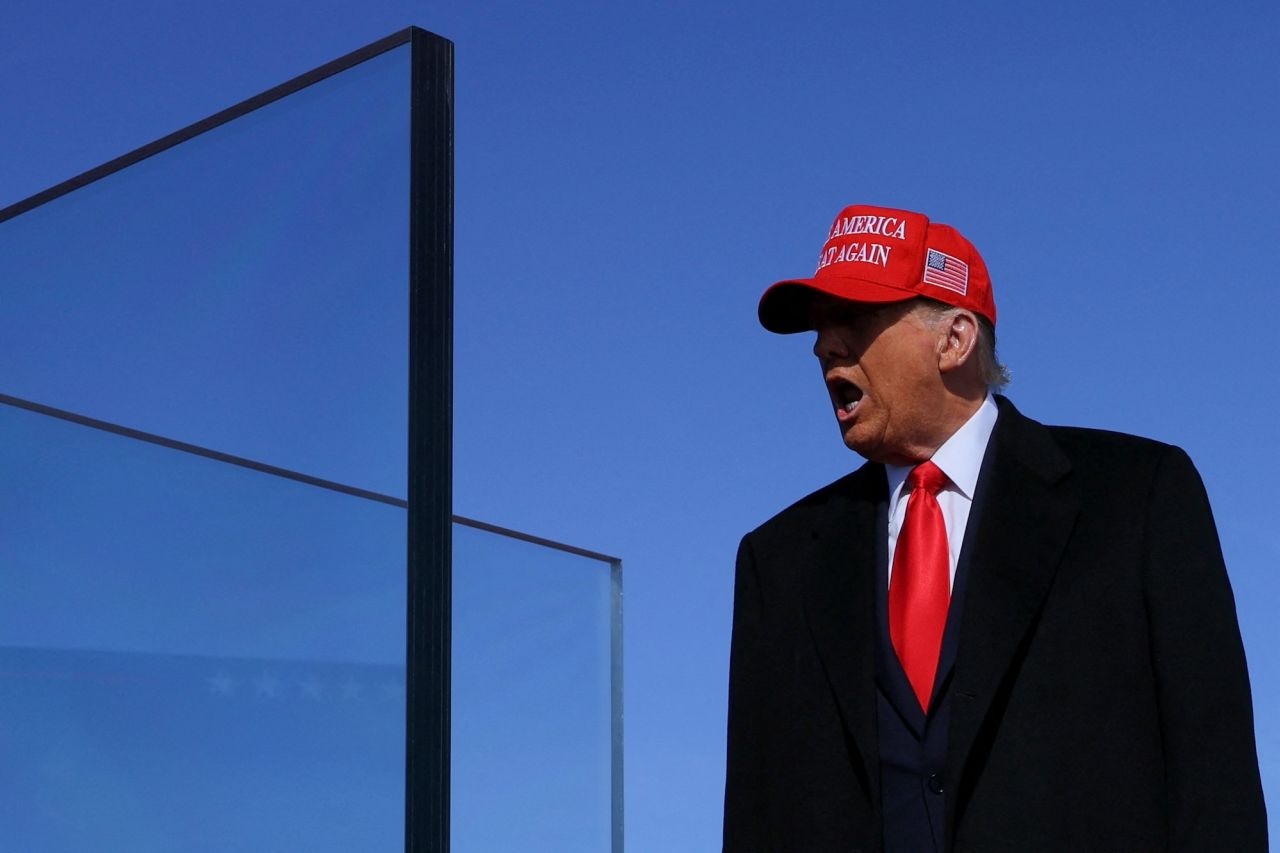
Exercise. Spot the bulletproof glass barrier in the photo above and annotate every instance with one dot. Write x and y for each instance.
(235, 597)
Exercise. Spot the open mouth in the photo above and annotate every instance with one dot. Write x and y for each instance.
(844, 395)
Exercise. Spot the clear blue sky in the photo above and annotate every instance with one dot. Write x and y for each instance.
(630, 177)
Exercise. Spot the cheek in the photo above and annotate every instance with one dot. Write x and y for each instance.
(894, 402)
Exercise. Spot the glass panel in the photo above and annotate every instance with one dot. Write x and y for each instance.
(194, 655)
(188, 645)
(245, 290)
(533, 711)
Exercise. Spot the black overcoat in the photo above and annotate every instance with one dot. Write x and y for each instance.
(1100, 700)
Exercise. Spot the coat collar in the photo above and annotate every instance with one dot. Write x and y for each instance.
(1024, 512)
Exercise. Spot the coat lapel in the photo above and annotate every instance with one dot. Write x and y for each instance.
(839, 607)
(1025, 509)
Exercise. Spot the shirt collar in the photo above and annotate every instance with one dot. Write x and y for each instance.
(959, 457)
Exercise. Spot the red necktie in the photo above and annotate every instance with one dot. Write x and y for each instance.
(920, 588)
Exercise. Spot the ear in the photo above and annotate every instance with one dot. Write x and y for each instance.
(957, 341)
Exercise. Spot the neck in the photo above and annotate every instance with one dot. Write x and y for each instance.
(954, 412)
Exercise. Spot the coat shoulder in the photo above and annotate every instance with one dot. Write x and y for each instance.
(1110, 452)
(1054, 450)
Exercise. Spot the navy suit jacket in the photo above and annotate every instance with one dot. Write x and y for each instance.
(1099, 699)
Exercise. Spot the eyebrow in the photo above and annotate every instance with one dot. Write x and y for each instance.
(840, 310)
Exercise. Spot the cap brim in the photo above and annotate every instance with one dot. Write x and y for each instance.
(784, 307)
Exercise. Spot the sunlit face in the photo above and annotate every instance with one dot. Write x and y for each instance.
(880, 364)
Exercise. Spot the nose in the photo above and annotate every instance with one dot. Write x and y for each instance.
(829, 344)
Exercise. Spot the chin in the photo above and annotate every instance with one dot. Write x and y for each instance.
(859, 445)
(872, 449)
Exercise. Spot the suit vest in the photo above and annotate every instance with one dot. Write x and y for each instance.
(913, 745)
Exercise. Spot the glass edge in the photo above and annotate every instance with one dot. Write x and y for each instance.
(284, 473)
(615, 678)
(244, 107)
(538, 540)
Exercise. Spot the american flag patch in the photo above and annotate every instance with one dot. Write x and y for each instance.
(942, 270)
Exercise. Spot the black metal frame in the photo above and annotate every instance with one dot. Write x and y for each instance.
(430, 554)
(430, 482)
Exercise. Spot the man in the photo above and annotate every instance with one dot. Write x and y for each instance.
(993, 636)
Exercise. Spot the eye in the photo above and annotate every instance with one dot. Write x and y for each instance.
(839, 314)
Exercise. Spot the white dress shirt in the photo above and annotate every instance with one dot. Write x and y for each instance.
(960, 458)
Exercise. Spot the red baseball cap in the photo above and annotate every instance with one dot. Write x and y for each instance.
(880, 254)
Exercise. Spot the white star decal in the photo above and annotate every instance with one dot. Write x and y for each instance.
(266, 685)
(222, 684)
